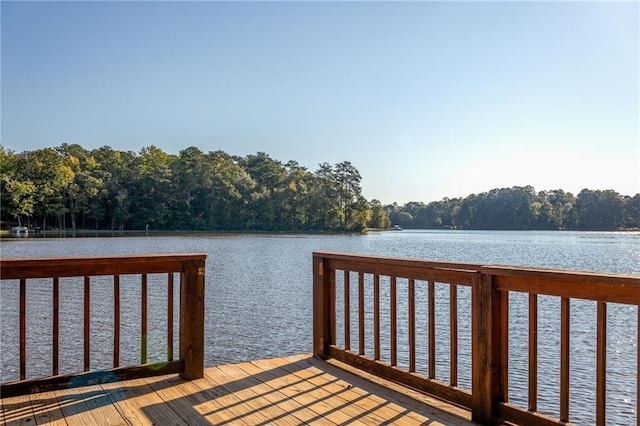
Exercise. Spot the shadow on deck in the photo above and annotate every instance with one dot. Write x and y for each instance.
(294, 390)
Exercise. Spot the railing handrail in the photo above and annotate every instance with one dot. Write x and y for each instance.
(556, 274)
(397, 261)
(613, 288)
(78, 266)
(191, 268)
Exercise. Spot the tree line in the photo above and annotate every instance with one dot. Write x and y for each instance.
(524, 208)
(71, 187)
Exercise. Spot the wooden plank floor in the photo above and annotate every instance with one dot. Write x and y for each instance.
(293, 390)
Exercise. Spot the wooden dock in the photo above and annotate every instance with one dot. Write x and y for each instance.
(294, 390)
(378, 296)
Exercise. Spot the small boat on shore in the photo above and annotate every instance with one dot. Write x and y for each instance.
(396, 228)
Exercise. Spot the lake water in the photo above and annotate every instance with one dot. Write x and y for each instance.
(259, 302)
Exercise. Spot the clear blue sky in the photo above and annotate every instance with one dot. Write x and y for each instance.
(427, 99)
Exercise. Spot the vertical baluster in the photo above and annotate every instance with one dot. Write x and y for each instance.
(533, 352)
(638, 372)
(347, 313)
(87, 322)
(453, 330)
(331, 307)
(393, 343)
(564, 358)
(601, 363)
(116, 321)
(361, 313)
(376, 317)
(56, 325)
(504, 346)
(170, 317)
(143, 320)
(412, 324)
(432, 330)
(23, 328)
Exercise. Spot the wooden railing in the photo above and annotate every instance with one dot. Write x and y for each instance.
(190, 363)
(488, 288)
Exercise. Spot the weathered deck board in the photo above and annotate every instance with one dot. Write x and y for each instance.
(19, 411)
(44, 411)
(293, 390)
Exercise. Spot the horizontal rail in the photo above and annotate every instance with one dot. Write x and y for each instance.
(16, 268)
(388, 261)
(89, 378)
(450, 393)
(190, 364)
(576, 285)
(491, 286)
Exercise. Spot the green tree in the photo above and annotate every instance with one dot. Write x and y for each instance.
(191, 187)
(269, 176)
(151, 195)
(21, 198)
(349, 192)
(599, 210)
(393, 211)
(378, 218)
(117, 171)
(295, 196)
(231, 191)
(324, 208)
(632, 212)
(405, 219)
(51, 177)
(87, 184)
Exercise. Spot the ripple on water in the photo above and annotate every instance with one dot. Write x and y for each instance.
(258, 304)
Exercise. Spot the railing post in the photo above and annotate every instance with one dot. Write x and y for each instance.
(323, 307)
(192, 319)
(488, 342)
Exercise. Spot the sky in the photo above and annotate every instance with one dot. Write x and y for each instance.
(426, 99)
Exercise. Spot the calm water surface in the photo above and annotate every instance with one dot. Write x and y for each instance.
(258, 304)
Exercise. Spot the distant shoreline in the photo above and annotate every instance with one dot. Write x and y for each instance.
(85, 233)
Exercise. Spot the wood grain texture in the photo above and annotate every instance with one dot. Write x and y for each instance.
(170, 316)
(393, 321)
(376, 317)
(92, 265)
(565, 351)
(347, 309)
(411, 326)
(55, 344)
(23, 328)
(87, 324)
(533, 353)
(453, 330)
(116, 321)
(601, 364)
(431, 298)
(361, 310)
(293, 390)
(23, 387)
(192, 320)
